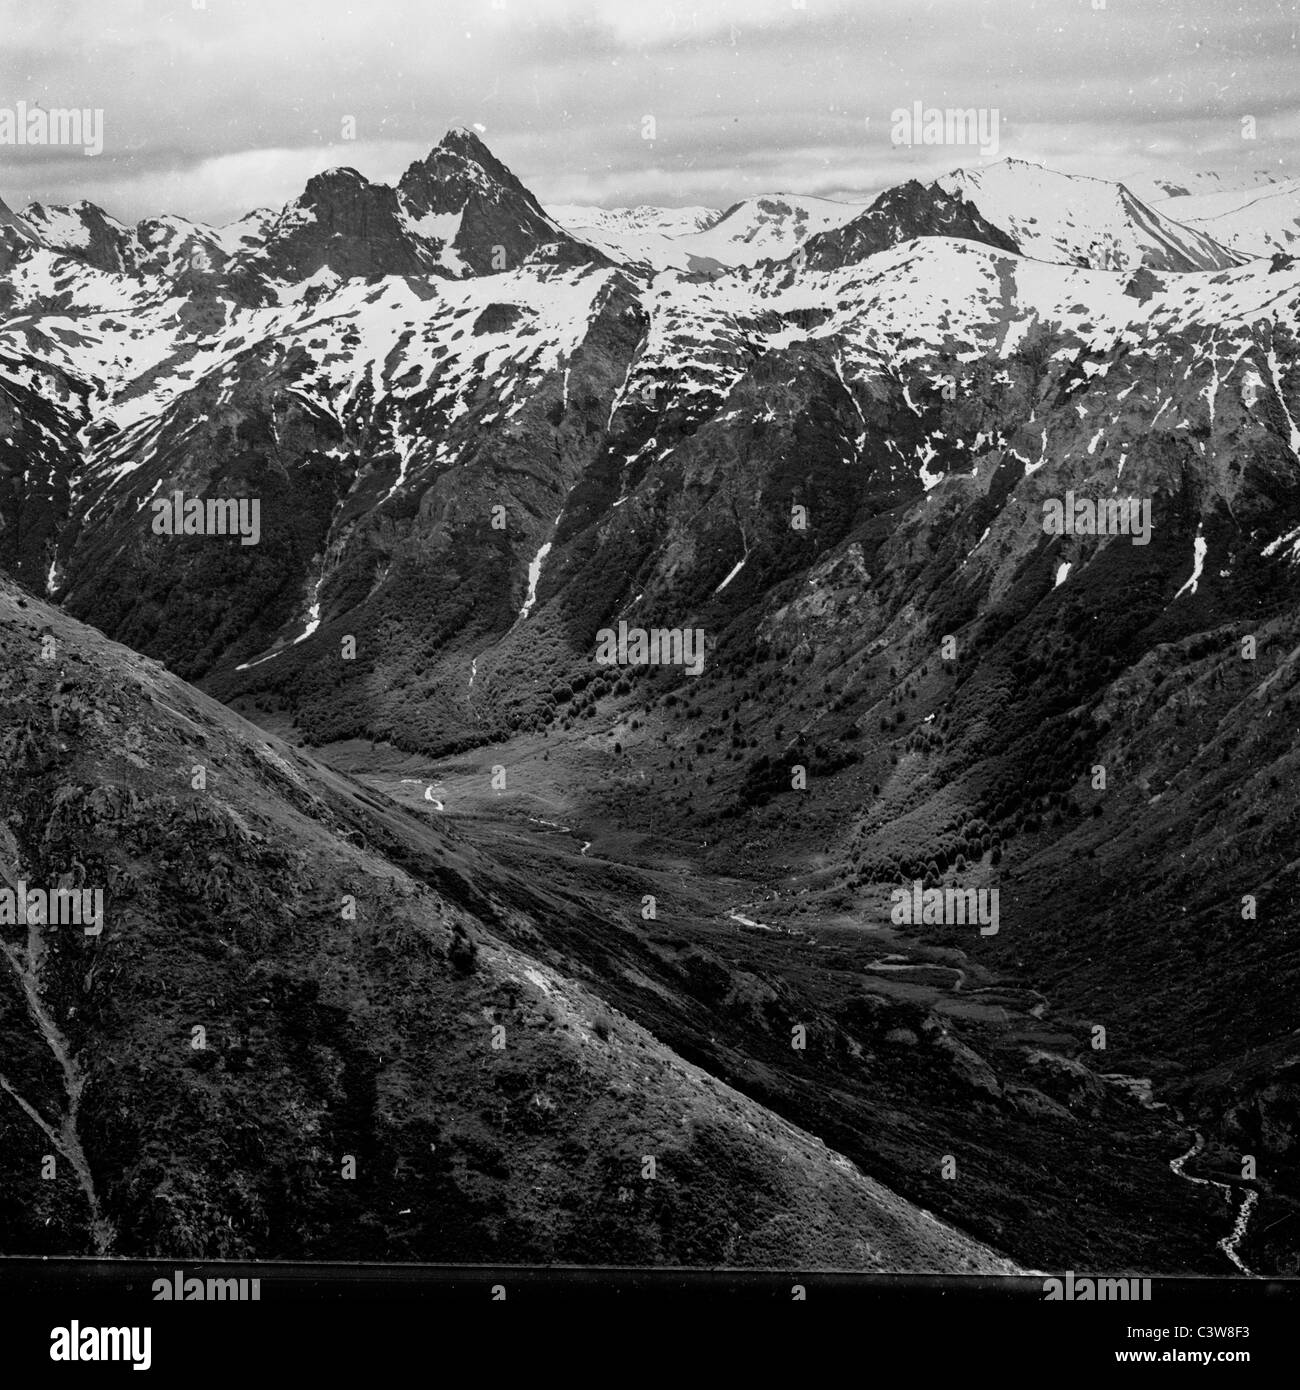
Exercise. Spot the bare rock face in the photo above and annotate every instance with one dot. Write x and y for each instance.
(1069, 1081)
(899, 214)
(345, 224)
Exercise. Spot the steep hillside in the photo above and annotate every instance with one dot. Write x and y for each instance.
(1262, 221)
(282, 1044)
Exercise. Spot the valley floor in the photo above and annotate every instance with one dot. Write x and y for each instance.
(915, 1052)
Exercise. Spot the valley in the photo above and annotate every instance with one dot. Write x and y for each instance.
(473, 877)
(810, 963)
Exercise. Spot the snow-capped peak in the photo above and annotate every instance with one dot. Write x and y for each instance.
(1077, 220)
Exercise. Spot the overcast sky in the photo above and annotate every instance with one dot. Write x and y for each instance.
(214, 110)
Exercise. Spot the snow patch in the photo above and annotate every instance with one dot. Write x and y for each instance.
(1199, 548)
(735, 570)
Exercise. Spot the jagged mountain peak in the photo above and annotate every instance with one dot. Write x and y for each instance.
(475, 213)
(342, 177)
(899, 214)
(341, 221)
(457, 212)
(464, 140)
(460, 165)
(447, 215)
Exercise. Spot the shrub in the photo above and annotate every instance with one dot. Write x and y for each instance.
(463, 954)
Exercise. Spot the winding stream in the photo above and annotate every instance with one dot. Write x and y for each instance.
(1232, 1241)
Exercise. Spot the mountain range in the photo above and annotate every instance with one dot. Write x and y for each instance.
(480, 432)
